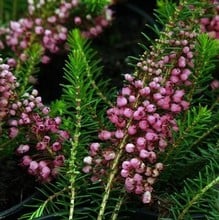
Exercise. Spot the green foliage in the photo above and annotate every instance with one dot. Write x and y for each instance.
(95, 7)
(177, 157)
(25, 69)
(199, 195)
(191, 161)
(11, 10)
(207, 49)
(78, 106)
(164, 11)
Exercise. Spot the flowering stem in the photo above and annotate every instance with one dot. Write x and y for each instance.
(111, 178)
(114, 169)
(73, 173)
(74, 146)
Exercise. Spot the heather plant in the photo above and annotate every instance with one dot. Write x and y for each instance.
(166, 83)
(27, 128)
(48, 22)
(153, 144)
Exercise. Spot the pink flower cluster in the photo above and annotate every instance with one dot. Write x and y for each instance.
(39, 136)
(42, 151)
(51, 29)
(144, 117)
(7, 85)
(211, 24)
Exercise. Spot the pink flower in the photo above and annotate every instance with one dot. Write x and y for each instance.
(56, 146)
(45, 172)
(144, 154)
(26, 160)
(88, 160)
(39, 30)
(182, 62)
(87, 169)
(126, 165)
(33, 167)
(215, 84)
(146, 198)
(124, 173)
(121, 101)
(129, 184)
(119, 134)
(141, 141)
(45, 59)
(23, 148)
(135, 162)
(150, 136)
(77, 20)
(109, 155)
(143, 125)
(175, 108)
(94, 147)
(139, 189)
(13, 132)
(59, 160)
(138, 178)
(104, 135)
(64, 135)
(41, 145)
(176, 71)
(129, 147)
(126, 91)
(145, 91)
(128, 112)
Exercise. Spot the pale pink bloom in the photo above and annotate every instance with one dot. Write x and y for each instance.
(56, 146)
(182, 62)
(87, 169)
(139, 189)
(121, 101)
(128, 112)
(13, 132)
(119, 134)
(215, 84)
(144, 154)
(146, 198)
(109, 155)
(135, 162)
(150, 136)
(126, 91)
(88, 160)
(77, 20)
(26, 160)
(45, 172)
(94, 147)
(124, 173)
(126, 165)
(23, 148)
(104, 135)
(129, 147)
(141, 141)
